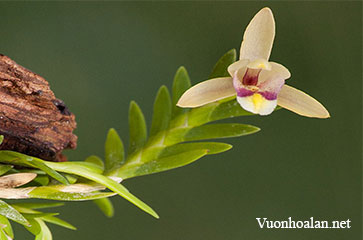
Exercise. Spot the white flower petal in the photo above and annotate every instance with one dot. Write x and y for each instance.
(281, 70)
(237, 66)
(207, 92)
(259, 36)
(301, 103)
(272, 81)
(257, 104)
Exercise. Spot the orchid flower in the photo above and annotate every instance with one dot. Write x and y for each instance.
(258, 83)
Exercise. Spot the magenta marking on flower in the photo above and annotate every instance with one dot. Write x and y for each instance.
(269, 95)
(242, 92)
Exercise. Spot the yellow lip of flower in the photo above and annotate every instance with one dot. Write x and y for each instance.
(269, 91)
(257, 100)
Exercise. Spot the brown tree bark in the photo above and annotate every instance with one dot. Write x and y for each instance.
(32, 120)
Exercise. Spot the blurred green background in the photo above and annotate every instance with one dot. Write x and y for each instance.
(98, 56)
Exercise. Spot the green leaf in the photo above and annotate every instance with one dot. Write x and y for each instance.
(59, 222)
(167, 158)
(39, 215)
(42, 180)
(38, 205)
(137, 127)
(1, 139)
(69, 167)
(3, 235)
(6, 226)
(11, 213)
(220, 69)
(162, 112)
(35, 228)
(56, 193)
(180, 85)
(29, 213)
(89, 166)
(24, 160)
(224, 130)
(72, 178)
(96, 161)
(175, 136)
(74, 192)
(105, 205)
(212, 147)
(45, 233)
(4, 168)
(114, 151)
(163, 164)
(27, 170)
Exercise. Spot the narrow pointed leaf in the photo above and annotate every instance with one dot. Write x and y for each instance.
(39, 215)
(56, 193)
(176, 136)
(59, 222)
(171, 162)
(107, 182)
(162, 112)
(8, 230)
(34, 228)
(88, 166)
(24, 160)
(105, 205)
(39, 205)
(180, 85)
(30, 213)
(42, 180)
(11, 213)
(137, 128)
(74, 192)
(3, 235)
(114, 151)
(95, 160)
(220, 69)
(213, 131)
(163, 164)
(72, 179)
(212, 147)
(45, 233)
(4, 168)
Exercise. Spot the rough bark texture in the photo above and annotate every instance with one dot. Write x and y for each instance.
(32, 120)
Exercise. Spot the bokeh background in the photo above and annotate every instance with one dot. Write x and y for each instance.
(98, 56)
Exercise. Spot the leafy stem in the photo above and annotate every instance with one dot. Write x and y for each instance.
(173, 131)
(176, 138)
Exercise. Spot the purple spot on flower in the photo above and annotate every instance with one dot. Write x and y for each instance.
(242, 92)
(269, 95)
